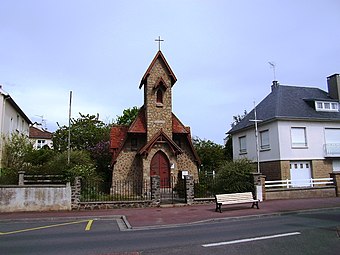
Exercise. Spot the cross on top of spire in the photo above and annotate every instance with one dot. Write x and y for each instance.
(159, 40)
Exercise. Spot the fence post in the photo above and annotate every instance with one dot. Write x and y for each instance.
(259, 186)
(189, 189)
(336, 179)
(155, 190)
(75, 193)
(21, 177)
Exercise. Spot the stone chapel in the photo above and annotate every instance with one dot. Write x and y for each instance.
(156, 143)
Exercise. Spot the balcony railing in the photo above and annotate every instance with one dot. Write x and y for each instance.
(332, 149)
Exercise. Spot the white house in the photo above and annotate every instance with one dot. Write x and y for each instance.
(12, 119)
(40, 137)
(298, 133)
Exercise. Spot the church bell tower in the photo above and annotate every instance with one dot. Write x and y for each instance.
(158, 81)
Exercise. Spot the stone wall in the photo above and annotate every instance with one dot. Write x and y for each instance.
(321, 168)
(280, 170)
(272, 170)
(186, 161)
(296, 193)
(158, 116)
(128, 165)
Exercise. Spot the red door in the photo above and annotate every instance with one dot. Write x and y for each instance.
(160, 166)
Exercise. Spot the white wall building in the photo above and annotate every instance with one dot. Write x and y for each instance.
(12, 119)
(298, 133)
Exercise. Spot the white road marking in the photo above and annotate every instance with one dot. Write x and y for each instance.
(251, 239)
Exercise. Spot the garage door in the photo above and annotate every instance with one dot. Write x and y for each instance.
(300, 173)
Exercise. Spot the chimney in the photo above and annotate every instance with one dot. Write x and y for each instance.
(333, 83)
(275, 85)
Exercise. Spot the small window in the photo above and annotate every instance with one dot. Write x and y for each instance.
(134, 144)
(336, 165)
(298, 136)
(326, 106)
(243, 144)
(177, 140)
(319, 105)
(264, 140)
(159, 95)
(40, 144)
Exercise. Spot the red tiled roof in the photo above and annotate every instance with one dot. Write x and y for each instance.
(37, 133)
(139, 124)
(177, 126)
(117, 136)
(119, 133)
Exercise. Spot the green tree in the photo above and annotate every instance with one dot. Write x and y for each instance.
(89, 134)
(86, 132)
(81, 164)
(210, 154)
(228, 148)
(129, 115)
(234, 176)
(16, 149)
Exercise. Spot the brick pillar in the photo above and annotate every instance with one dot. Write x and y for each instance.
(21, 178)
(259, 186)
(336, 179)
(189, 189)
(75, 193)
(156, 190)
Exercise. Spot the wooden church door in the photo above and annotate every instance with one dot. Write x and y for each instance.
(160, 166)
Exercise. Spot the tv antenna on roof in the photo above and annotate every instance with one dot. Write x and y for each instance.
(273, 65)
(43, 121)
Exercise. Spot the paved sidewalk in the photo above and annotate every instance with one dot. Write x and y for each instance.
(145, 217)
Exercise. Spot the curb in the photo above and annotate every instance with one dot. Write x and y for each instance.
(232, 218)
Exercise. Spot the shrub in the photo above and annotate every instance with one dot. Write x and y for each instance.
(234, 176)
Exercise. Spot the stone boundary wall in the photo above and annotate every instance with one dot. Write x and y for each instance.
(14, 198)
(298, 193)
(114, 205)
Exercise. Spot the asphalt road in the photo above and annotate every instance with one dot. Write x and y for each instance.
(308, 233)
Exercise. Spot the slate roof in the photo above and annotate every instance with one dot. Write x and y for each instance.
(289, 103)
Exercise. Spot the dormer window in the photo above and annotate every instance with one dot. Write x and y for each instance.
(321, 106)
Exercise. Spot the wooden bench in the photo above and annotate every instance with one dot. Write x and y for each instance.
(235, 198)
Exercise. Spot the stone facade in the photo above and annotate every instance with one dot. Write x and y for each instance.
(321, 168)
(155, 131)
(280, 170)
(158, 115)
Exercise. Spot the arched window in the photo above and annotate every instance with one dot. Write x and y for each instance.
(159, 95)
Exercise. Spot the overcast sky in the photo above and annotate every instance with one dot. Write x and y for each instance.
(218, 50)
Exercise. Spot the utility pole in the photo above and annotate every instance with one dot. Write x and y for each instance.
(69, 131)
